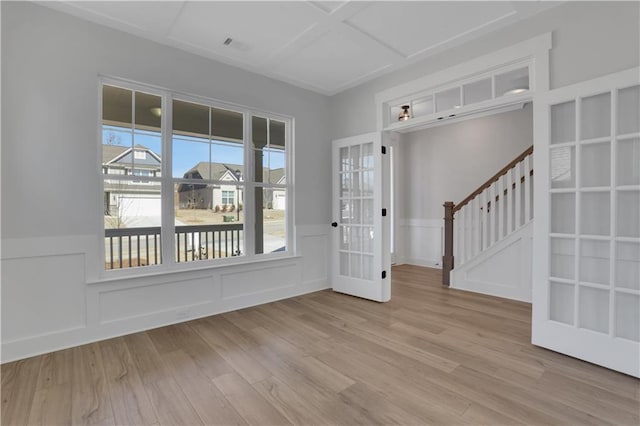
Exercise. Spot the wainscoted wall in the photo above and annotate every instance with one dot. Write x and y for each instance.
(503, 270)
(420, 242)
(50, 301)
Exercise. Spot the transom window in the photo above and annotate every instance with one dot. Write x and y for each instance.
(213, 169)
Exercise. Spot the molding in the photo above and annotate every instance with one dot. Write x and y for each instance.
(63, 339)
(535, 50)
(428, 263)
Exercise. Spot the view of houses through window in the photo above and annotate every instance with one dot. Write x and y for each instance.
(206, 181)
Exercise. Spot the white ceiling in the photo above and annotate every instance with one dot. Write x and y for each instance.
(325, 46)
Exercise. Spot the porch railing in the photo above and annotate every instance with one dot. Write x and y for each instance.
(129, 247)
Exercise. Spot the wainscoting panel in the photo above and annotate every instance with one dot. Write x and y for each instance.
(41, 295)
(53, 297)
(420, 242)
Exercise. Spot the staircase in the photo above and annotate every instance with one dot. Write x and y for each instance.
(487, 236)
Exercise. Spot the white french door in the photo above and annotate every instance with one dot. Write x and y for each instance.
(586, 283)
(360, 263)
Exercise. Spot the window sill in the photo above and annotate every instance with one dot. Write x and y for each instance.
(163, 270)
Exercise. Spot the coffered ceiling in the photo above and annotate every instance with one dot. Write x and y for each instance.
(325, 46)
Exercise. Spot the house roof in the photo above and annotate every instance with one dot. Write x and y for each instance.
(204, 169)
(113, 153)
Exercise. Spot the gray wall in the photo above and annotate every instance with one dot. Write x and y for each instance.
(590, 39)
(50, 66)
(447, 163)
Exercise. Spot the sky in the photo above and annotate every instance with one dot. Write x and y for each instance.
(189, 151)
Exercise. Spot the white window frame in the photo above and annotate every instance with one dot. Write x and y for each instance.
(167, 181)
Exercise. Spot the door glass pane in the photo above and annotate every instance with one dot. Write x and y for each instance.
(422, 107)
(356, 266)
(354, 157)
(356, 239)
(628, 265)
(356, 216)
(512, 82)
(563, 167)
(628, 214)
(367, 183)
(628, 316)
(595, 213)
(628, 162)
(356, 184)
(367, 156)
(344, 159)
(344, 264)
(563, 122)
(448, 99)
(345, 211)
(345, 237)
(594, 261)
(477, 91)
(595, 117)
(367, 211)
(563, 213)
(345, 184)
(629, 110)
(595, 165)
(561, 302)
(367, 267)
(367, 239)
(562, 260)
(593, 309)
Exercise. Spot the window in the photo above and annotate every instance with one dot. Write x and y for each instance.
(270, 195)
(228, 197)
(203, 181)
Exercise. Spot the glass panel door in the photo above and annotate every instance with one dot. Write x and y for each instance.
(587, 303)
(357, 228)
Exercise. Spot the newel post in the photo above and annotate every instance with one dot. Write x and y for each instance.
(447, 259)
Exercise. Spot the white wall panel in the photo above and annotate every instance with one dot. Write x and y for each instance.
(128, 302)
(41, 295)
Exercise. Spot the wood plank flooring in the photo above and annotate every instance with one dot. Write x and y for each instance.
(430, 356)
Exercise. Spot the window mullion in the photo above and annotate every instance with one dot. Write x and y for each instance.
(167, 219)
(249, 188)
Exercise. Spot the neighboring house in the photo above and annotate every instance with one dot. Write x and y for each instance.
(126, 198)
(226, 195)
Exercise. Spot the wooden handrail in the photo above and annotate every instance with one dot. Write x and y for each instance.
(495, 177)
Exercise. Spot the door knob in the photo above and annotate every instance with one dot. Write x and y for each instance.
(334, 224)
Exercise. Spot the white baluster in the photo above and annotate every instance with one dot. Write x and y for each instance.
(485, 219)
(477, 227)
(527, 187)
(500, 206)
(509, 201)
(461, 252)
(492, 214)
(518, 195)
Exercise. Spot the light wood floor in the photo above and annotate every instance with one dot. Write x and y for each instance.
(430, 356)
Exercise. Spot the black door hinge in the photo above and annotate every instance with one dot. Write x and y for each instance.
(384, 149)
(384, 212)
(384, 274)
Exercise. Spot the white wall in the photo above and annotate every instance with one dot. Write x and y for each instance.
(51, 191)
(590, 39)
(447, 163)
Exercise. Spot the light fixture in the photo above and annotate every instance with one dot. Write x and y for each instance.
(404, 115)
(516, 91)
(457, 107)
(157, 111)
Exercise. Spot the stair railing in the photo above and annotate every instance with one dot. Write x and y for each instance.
(494, 210)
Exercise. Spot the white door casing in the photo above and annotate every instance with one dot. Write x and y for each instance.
(586, 265)
(360, 241)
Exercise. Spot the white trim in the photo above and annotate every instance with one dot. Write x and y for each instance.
(533, 51)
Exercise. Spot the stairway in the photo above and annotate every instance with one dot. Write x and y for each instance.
(488, 234)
